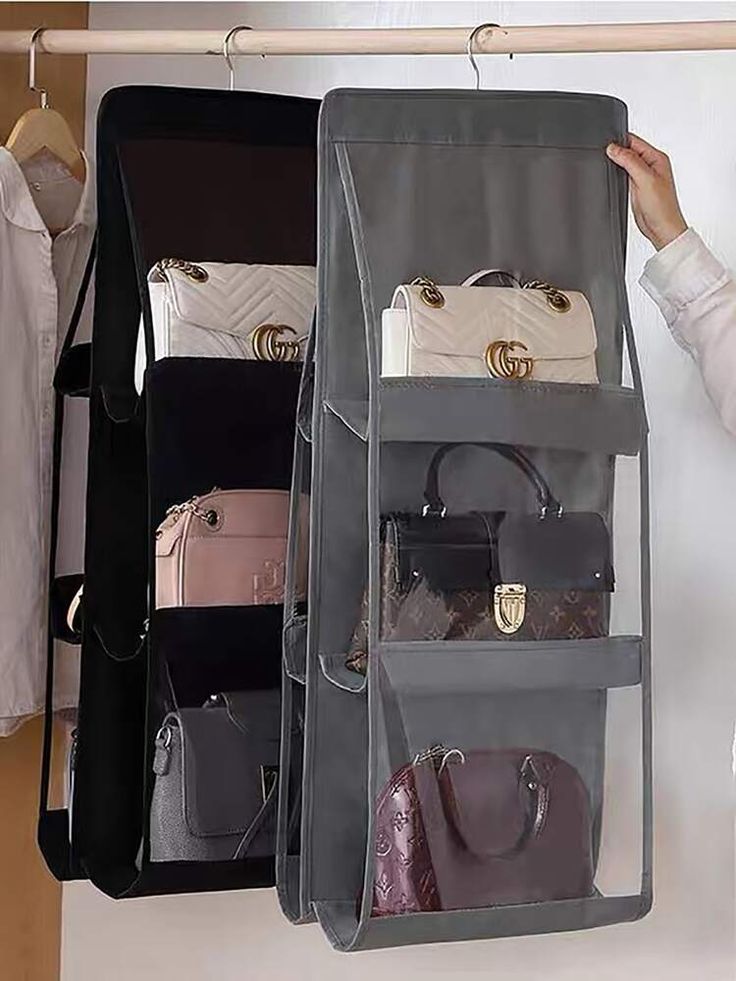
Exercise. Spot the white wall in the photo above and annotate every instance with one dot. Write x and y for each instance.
(684, 102)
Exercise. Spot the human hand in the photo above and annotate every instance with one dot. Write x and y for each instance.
(653, 194)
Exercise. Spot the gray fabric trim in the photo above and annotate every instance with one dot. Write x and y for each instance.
(287, 866)
(315, 526)
(371, 324)
(595, 418)
(295, 647)
(305, 400)
(645, 571)
(452, 117)
(453, 667)
(456, 666)
(295, 624)
(477, 924)
(352, 413)
(333, 668)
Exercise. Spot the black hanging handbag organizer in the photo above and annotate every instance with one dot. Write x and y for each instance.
(198, 175)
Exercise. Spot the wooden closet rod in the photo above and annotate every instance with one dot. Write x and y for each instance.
(677, 36)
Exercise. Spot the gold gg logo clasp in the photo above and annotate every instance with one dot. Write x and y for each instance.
(509, 606)
(268, 345)
(502, 363)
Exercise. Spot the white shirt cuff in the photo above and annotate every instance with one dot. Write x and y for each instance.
(680, 273)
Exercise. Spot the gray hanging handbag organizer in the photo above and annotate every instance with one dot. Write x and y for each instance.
(431, 184)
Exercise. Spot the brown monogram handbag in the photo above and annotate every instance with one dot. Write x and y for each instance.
(495, 575)
(461, 830)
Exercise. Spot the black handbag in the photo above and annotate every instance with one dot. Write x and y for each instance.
(491, 575)
(216, 769)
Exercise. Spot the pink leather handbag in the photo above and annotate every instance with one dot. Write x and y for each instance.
(225, 548)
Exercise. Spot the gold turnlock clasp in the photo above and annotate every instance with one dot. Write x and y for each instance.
(430, 292)
(197, 274)
(509, 606)
(268, 345)
(556, 299)
(502, 363)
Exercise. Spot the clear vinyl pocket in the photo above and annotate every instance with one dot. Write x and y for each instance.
(485, 799)
(513, 545)
(503, 659)
(219, 439)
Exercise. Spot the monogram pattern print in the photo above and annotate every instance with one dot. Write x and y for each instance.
(268, 585)
(420, 613)
(404, 881)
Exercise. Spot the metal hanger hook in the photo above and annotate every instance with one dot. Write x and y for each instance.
(226, 51)
(471, 54)
(32, 68)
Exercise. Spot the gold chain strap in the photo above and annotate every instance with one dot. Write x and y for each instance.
(198, 274)
(559, 301)
(556, 299)
(209, 516)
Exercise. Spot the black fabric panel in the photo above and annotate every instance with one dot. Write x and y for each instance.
(116, 560)
(185, 877)
(108, 799)
(225, 176)
(53, 840)
(73, 371)
(211, 649)
(218, 423)
(272, 181)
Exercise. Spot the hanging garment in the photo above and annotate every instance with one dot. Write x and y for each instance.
(40, 275)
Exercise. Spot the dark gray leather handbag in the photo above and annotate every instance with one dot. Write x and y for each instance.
(216, 789)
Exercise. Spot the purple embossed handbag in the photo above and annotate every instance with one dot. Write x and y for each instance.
(494, 827)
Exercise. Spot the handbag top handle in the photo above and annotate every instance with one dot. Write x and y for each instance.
(476, 277)
(461, 798)
(436, 506)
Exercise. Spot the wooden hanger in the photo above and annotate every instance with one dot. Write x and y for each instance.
(44, 128)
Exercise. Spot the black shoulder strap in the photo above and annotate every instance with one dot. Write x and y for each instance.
(53, 825)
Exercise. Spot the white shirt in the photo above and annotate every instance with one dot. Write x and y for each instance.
(39, 282)
(697, 297)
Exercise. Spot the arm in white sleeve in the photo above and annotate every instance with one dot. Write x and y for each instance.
(697, 297)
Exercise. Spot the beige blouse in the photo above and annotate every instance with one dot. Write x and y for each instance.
(40, 276)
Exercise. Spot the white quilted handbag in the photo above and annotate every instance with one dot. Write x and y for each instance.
(526, 331)
(228, 310)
